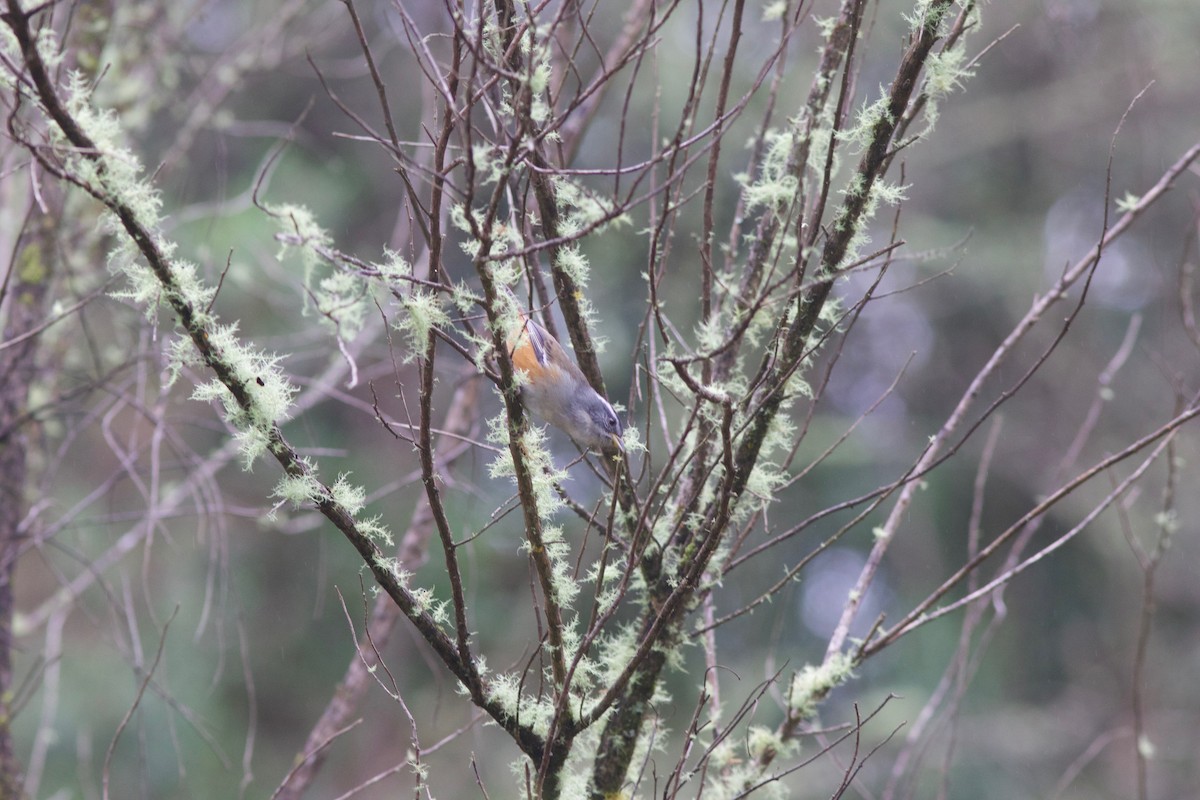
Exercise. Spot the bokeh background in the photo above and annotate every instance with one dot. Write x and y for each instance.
(1007, 191)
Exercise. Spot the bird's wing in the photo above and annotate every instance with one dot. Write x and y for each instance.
(529, 348)
(541, 341)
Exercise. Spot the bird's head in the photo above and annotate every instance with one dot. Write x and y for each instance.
(594, 424)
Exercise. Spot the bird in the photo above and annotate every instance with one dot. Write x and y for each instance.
(555, 390)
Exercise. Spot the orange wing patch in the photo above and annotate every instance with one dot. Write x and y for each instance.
(528, 351)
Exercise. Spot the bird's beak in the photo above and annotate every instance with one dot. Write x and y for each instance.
(618, 443)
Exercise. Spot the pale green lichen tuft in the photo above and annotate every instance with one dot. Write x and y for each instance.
(267, 392)
(374, 529)
(298, 221)
(348, 495)
(764, 744)
(537, 458)
(571, 261)
(113, 170)
(811, 684)
(423, 312)
(776, 185)
(930, 16)
(825, 26)
(343, 300)
(340, 297)
(581, 211)
(1167, 521)
(1128, 203)
(631, 437)
(300, 489)
(773, 10)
